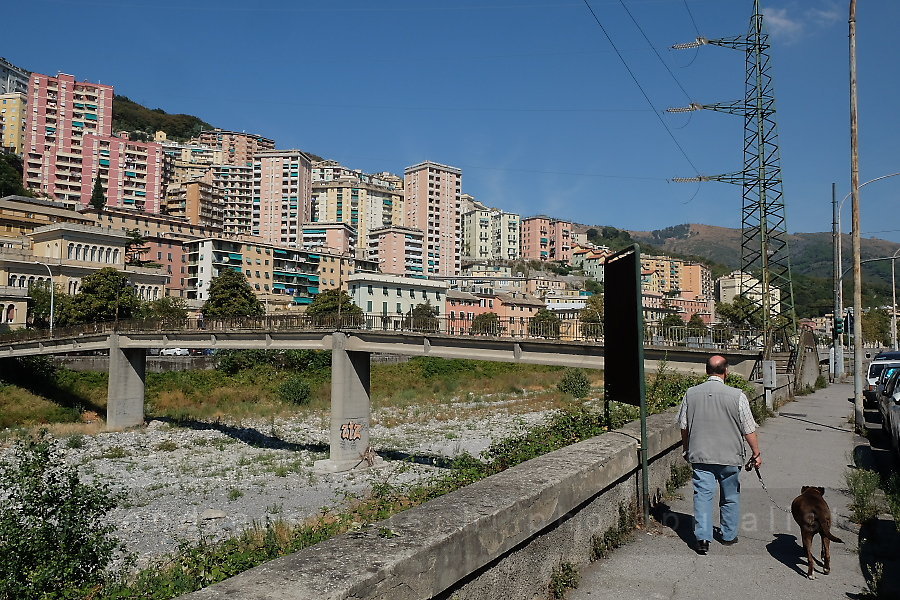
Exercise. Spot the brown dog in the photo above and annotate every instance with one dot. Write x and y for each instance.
(813, 516)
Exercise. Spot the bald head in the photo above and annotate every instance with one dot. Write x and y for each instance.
(717, 365)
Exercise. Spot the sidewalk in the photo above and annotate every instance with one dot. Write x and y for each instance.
(809, 443)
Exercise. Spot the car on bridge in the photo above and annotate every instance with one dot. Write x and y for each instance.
(174, 352)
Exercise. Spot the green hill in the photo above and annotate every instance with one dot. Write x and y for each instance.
(128, 115)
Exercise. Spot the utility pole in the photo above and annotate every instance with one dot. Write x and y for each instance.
(837, 338)
(858, 417)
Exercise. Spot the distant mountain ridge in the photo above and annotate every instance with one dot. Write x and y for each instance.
(811, 253)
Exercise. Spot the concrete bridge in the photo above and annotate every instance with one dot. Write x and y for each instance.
(352, 340)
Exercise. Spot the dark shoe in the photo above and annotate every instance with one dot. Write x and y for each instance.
(702, 546)
(729, 542)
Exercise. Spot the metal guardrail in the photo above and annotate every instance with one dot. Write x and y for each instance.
(713, 338)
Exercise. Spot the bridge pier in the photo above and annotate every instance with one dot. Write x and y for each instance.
(351, 409)
(125, 392)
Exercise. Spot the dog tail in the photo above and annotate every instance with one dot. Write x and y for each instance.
(826, 531)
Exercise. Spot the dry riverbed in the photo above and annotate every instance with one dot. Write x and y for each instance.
(212, 480)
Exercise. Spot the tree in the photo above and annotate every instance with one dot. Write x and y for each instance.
(423, 317)
(330, 301)
(55, 539)
(673, 320)
(167, 308)
(876, 327)
(593, 286)
(741, 312)
(104, 296)
(39, 304)
(544, 324)
(591, 316)
(696, 323)
(98, 197)
(135, 247)
(11, 176)
(486, 324)
(230, 297)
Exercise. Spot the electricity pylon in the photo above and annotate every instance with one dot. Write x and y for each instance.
(764, 248)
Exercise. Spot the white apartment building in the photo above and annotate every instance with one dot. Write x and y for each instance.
(490, 234)
(393, 295)
(737, 282)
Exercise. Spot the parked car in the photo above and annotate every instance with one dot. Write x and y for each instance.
(174, 352)
(883, 378)
(889, 407)
(888, 355)
(875, 369)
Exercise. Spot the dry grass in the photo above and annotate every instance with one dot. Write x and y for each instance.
(21, 408)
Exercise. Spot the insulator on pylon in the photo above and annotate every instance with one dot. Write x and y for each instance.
(695, 44)
(683, 109)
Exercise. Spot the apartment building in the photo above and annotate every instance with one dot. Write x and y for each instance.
(188, 162)
(739, 283)
(234, 184)
(237, 147)
(73, 251)
(378, 293)
(12, 122)
(490, 233)
(131, 173)
(60, 112)
(397, 250)
(432, 193)
(543, 238)
(364, 206)
(696, 282)
(336, 237)
(197, 202)
(13, 79)
(164, 237)
(282, 195)
(20, 216)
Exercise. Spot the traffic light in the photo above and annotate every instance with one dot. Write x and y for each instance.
(838, 325)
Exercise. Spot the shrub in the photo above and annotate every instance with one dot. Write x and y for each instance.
(575, 383)
(295, 391)
(563, 578)
(53, 538)
(862, 484)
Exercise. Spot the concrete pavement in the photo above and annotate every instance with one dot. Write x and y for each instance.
(809, 443)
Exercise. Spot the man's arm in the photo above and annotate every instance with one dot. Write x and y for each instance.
(753, 442)
(685, 438)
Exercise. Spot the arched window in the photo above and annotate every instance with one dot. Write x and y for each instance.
(78, 252)
(71, 250)
(108, 254)
(11, 313)
(116, 256)
(155, 293)
(12, 280)
(31, 281)
(93, 253)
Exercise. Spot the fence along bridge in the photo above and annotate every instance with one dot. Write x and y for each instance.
(352, 340)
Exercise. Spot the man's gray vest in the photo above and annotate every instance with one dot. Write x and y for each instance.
(713, 422)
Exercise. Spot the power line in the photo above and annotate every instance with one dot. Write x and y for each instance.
(644, 93)
(655, 51)
(691, 15)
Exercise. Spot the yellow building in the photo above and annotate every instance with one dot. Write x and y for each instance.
(362, 205)
(12, 122)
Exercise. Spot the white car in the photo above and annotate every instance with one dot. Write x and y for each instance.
(875, 369)
(174, 352)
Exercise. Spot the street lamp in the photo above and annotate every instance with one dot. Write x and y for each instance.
(52, 293)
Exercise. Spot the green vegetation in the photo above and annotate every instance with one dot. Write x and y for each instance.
(544, 323)
(230, 296)
(295, 390)
(98, 196)
(104, 295)
(131, 116)
(486, 324)
(862, 484)
(11, 176)
(167, 308)
(575, 383)
(53, 538)
(564, 577)
(330, 302)
(603, 545)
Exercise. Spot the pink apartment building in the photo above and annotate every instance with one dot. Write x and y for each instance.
(543, 238)
(60, 113)
(282, 196)
(238, 148)
(336, 237)
(131, 173)
(432, 205)
(398, 250)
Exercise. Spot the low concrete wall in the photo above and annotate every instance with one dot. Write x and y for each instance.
(500, 537)
(155, 364)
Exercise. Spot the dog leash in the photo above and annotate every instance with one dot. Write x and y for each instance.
(763, 484)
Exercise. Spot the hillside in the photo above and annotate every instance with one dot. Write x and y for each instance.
(811, 253)
(128, 115)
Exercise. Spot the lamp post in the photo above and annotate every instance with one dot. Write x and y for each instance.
(52, 293)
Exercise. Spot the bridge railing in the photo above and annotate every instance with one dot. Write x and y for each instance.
(714, 337)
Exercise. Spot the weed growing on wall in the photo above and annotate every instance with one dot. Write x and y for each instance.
(862, 484)
(564, 577)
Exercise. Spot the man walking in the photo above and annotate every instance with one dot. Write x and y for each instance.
(714, 418)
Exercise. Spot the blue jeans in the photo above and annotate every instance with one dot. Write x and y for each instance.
(706, 479)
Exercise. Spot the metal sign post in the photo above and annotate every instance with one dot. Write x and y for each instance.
(623, 332)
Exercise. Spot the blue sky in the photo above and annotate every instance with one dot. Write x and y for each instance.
(526, 96)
